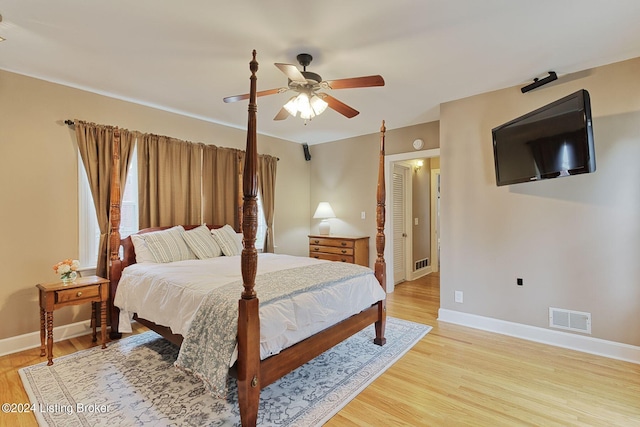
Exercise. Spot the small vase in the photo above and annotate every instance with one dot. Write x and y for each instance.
(68, 277)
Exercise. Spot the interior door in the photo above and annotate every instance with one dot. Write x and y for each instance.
(399, 225)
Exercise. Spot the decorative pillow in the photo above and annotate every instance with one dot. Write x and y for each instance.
(202, 243)
(142, 251)
(168, 245)
(228, 240)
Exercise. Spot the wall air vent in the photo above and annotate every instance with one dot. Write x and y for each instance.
(577, 321)
(422, 263)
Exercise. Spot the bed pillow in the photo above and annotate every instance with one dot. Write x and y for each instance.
(201, 242)
(143, 254)
(168, 245)
(228, 240)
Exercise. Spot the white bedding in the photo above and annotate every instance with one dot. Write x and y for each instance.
(169, 295)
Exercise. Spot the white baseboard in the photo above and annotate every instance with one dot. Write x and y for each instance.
(586, 344)
(32, 340)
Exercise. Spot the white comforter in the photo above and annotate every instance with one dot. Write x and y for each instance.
(169, 294)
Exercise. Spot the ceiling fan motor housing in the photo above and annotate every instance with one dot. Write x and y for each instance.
(304, 59)
(311, 76)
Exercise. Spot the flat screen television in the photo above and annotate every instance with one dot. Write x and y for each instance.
(553, 141)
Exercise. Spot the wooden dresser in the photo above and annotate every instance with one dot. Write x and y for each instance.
(354, 250)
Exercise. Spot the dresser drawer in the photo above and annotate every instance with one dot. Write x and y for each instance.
(332, 257)
(87, 292)
(341, 243)
(331, 250)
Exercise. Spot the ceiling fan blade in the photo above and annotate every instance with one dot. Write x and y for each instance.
(339, 106)
(292, 72)
(282, 114)
(354, 82)
(261, 93)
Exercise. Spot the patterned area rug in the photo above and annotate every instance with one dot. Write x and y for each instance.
(133, 383)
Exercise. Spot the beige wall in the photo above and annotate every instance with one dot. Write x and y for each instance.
(38, 190)
(421, 204)
(344, 173)
(575, 241)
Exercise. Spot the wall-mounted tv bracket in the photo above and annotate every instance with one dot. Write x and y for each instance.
(539, 82)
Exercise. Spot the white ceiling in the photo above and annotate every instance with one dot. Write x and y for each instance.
(186, 56)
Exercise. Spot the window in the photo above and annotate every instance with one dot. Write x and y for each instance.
(261, 233)
(89, 234)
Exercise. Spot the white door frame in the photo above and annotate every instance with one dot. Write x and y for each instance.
(435, 221)
(388, 224)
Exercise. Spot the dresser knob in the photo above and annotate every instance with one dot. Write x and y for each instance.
(344, 251)
(343, 243)
(317, 241)
(79, 294)
(316, 249)
(344, 260)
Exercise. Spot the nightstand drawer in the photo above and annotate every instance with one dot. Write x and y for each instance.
(332, 257)
(87, 292)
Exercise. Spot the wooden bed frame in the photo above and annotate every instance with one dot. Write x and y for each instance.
(252, 373)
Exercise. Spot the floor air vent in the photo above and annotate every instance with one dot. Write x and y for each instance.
(422, 263)
(577, 321)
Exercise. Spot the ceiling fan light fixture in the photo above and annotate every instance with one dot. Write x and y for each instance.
(291, 106)
(302, 103)
(318, 104)
(307, 115)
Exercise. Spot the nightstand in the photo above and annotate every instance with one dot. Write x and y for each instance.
(91, 289)
(354, 250)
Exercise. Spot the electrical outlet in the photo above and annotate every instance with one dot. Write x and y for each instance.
(459, 297)
(363, 215)
(519, 281)
(415, 221)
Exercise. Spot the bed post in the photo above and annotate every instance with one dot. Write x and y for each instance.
(248, 318)
(114, 267)
(381, 265)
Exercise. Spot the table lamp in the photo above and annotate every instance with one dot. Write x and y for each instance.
(324, 212)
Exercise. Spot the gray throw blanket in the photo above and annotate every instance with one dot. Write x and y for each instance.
(211, 339)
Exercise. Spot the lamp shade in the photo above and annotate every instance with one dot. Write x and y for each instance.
(308, 105)
(324, 211)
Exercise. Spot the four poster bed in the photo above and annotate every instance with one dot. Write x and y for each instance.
(255, 366)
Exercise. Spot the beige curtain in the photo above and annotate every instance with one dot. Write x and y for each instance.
(95, 143)
(169, 181)
(267, 166)
(221, 168)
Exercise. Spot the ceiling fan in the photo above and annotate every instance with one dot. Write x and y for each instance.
(308, 101)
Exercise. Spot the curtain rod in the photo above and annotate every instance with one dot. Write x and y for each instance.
(70, 122)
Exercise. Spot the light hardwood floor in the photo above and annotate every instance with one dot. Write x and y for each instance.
(455, 376)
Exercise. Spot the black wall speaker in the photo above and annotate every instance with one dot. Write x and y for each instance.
(307, 155)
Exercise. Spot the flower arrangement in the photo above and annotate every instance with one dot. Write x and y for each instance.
(67, 269)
